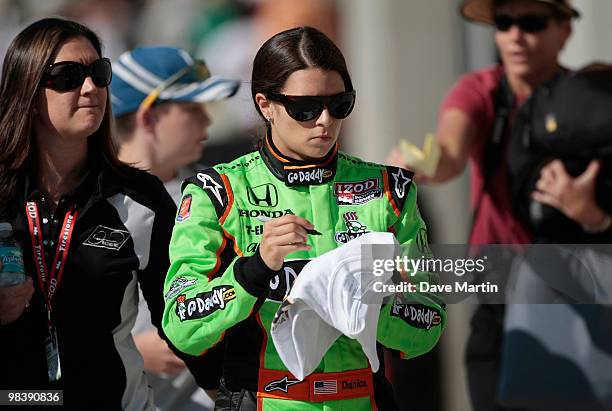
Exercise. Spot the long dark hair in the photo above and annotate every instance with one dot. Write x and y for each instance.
(292, 50)
(29, 54)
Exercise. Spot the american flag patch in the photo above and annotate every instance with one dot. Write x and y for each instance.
(326, 387)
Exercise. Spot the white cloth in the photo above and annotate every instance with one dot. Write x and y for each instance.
(333, 296)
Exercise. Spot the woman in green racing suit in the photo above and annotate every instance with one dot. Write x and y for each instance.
(244, 231)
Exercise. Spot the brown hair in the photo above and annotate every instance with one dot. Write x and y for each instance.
(28, 56)
(124, 128)
(125, 125)
(292, 50)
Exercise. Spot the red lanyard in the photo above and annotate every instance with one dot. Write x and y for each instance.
(49, 285)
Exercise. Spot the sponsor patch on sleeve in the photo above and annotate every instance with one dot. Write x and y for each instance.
(398, 185)
(213, 185)
(178, 285)
(204, 304)
(417, 315)
(184, 211)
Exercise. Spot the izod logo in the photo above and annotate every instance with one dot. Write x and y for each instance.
(31, 210)
(357, 192)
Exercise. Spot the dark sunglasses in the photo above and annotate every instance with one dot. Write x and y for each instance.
(529, 23)
(68, 75)
(306, 108)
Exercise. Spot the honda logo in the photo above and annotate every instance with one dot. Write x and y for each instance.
(264, 195)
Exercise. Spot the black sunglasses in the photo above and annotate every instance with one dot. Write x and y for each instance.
(306, 108)
(529, 23)
(68, 75)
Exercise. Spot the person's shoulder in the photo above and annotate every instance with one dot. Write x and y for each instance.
(223, 174)
(242, 164)
(486, 78)
(142, 181)
(474, 92)
(397, 182)
(141, 186)
(348, 161)
(357, 167)
(217, 181)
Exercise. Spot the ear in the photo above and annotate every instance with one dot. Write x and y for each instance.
(146, 118)
(265, 105)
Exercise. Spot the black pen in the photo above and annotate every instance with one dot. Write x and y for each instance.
(264, 219)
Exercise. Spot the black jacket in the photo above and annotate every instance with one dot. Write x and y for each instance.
(120, 237)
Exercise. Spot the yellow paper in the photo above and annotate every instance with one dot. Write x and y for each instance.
(424, 161)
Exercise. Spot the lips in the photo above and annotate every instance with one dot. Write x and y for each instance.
(518, 55)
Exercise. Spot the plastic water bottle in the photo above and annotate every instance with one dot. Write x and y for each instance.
(11, 255)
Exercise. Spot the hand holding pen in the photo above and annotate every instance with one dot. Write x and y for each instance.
(310, 231)
(283, 236)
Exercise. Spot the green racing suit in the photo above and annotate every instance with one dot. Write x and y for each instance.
(220, 296)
